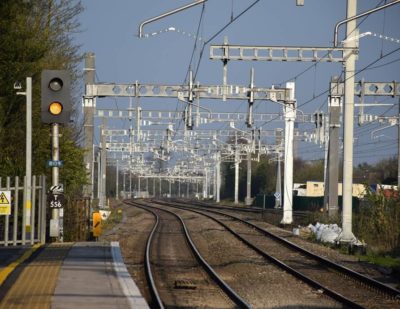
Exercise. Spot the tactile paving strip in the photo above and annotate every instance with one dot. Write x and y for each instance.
(35, 285)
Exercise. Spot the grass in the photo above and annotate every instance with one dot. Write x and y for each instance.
(386, 261)
(381, 260)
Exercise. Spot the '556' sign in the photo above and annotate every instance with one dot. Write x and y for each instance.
(55, 200)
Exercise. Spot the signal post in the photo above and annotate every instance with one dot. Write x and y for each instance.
(56, 109)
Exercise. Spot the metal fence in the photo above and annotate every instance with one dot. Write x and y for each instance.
(13, 228)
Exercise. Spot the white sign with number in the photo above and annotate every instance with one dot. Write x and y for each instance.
(56, 201)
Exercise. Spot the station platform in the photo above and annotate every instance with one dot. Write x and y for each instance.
(67, 275)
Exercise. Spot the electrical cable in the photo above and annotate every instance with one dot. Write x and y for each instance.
(218, 32)
(384, 64)
(233, 19)
(383, 28)
(385, 143)
(190, 64)
(376, 150)
(298, 75)
(319, 61)
(195, 43)
(362, 132)
(326, 91)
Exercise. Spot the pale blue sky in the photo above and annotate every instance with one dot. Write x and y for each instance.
(109, 29)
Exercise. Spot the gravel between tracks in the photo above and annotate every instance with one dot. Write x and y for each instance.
(349, 261)
(261, 284)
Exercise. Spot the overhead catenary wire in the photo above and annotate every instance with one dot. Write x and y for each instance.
(327, 91)
(384, 64)
(298, 75)
(198, 64)
(190, 62)
(318, 62)
(219, 32)
(376, 150)
(383, 28)
(232, 20)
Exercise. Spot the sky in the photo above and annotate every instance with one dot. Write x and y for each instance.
(110, 30)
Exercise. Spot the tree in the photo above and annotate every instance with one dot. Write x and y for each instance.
(228, 180)
(36, 35)
(384, 171)
(264, 176)
(308, 170)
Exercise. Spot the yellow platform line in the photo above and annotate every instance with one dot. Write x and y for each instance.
(10, 268)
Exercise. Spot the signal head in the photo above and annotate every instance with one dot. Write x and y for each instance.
(56, 98)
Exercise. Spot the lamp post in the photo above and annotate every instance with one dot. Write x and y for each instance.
(28, 160)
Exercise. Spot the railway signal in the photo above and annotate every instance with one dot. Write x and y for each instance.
(56, 98)
(56, 109)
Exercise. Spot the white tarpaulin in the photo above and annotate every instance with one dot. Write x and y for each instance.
(325, 232)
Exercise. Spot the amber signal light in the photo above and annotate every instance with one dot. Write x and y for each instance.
(55, 108)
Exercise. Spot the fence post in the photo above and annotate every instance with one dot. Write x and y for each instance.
(7, 219)
(16, 199)
(43, 204)
(33, 211)
(39, 209)
(23, 234)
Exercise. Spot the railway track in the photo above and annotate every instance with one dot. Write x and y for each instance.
(171, 253)
(342, 284)
(298, 215)
(244, 270)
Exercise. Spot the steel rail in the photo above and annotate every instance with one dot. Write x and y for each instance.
(256, 210)
(336, 296)
(392, 292)
(239, 301)
(148, 272)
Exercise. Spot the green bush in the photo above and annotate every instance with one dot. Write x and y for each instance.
(378, 223)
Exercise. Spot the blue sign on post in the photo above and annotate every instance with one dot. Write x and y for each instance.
(53, 163)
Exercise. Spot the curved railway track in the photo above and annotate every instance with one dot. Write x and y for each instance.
(274, 214)
(342, 284)
(158, 266)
